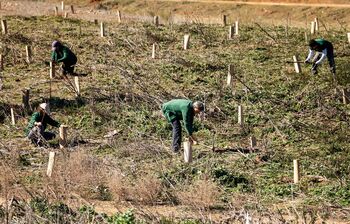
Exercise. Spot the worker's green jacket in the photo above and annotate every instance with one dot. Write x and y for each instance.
(37, 117)
(323, 44)
(180, 109)
(65, 55)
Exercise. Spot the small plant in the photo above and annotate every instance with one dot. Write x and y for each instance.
(125, 218)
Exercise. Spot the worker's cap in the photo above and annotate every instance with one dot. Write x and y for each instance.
(55, 45)
(199, 105)
(45, 107)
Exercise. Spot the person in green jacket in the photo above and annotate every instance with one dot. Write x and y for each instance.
(61, 53)
(181, 109)
(38, 123)
(325, 49)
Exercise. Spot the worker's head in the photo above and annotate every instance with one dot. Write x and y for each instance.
(56, 45)
(44, 108)
(198, 107)
(313, 44)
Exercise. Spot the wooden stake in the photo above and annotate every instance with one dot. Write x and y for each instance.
(236, 28)
(119, 16)
(252, 142)
(186, 41)
(102, 30)
(25, 101)
(13, 117)
(56, 11)
(316, 24)
(229, 75)
(77, 85)
(72, 9)
(4, 26)
(240, 115)
(346, 96)
(296, 171)
(348, 34)
(296, 64)
(306, 37)
(313, 28)
(224, 20)
(52, 70)
(156, 20)
(62, 5)
(154, 51)
(287, 25)
(28, 54)
(63, 136)
(1, 63)
(187, 152)
(50, 164)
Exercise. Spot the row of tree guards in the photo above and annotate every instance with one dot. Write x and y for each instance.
(63, 10)
(63, 144)
(233, 31)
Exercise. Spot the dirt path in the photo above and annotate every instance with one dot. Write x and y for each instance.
(264, 3)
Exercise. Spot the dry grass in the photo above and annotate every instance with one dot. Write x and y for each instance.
(147, 189)
(201, 194)
(80, 173)
(118, 187)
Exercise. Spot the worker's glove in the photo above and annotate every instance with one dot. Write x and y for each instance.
(39, 124)
(193, 140)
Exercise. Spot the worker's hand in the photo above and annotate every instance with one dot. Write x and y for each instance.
(39, 124)
(193, 140)
(307, 62)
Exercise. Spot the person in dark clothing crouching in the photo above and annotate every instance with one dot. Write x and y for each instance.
(325, 50)
(61, 53)
(37, 125)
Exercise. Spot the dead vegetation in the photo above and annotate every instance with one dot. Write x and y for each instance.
(291, 115)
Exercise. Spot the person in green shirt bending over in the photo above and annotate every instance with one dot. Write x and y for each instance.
(61, 53)
(325, 50)
(181, 109)
(37, 125)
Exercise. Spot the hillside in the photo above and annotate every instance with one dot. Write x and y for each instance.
(299, 15)
(292, 116)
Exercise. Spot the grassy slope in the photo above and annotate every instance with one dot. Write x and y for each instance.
(293, 116)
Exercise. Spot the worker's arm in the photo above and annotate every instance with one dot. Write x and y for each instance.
(52, 122)
(311, 54)
(33, 120)
(53, 56)
(167, 115)
(188, 120)
(65, 55)
(323, 56)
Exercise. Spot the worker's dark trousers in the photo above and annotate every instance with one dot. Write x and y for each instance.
(68, 68)
(37, 134)
(176, 144)
(330, 57)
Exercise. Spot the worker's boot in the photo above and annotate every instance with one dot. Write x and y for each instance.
(314, 69)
